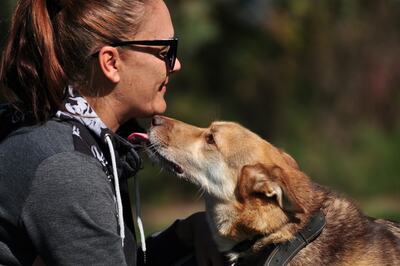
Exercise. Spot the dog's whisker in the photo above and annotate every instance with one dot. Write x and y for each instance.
(200, 193)
(161, 170)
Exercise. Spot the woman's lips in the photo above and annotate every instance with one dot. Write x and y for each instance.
(163, 86)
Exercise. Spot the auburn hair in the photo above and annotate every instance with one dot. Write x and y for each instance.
(50, 45)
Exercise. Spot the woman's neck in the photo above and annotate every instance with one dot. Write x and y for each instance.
(106, 111)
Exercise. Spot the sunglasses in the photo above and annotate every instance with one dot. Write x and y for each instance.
(169, 56)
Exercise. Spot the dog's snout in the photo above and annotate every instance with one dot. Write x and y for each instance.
(162, 123)
(157, 121)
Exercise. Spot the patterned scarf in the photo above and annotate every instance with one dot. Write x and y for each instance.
(78, 108)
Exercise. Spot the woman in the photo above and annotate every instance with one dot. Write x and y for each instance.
(75, 72)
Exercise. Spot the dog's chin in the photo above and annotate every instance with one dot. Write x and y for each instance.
(169, 165)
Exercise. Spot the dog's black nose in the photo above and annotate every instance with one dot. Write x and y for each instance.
(157, 121)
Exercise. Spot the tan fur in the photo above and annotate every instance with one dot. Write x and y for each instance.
(253, 188)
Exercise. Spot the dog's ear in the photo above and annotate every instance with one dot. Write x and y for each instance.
(289, 159)
(269, 182)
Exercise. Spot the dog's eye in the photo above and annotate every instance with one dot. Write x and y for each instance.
(210, 139)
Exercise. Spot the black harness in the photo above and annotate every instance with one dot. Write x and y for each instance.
(281, 254)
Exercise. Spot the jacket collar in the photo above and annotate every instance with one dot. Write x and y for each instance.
(76, 108)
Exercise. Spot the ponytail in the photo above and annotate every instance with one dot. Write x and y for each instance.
(51, 43)
(30, 67)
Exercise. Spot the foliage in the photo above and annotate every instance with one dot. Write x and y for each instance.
(317, 78)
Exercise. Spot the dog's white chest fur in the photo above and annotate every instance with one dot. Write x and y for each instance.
(220, 217)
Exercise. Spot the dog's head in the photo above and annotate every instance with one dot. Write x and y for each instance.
(235, 167)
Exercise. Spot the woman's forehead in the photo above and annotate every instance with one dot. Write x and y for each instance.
(157, 22)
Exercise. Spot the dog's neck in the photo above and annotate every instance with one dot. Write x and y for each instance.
(228, 230)
(221, 215)
(224, 220)
(283, 252)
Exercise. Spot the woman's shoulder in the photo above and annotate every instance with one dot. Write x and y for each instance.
(25, 149)
(41, 158)
(45, 139)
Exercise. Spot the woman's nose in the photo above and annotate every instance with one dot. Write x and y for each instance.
(177, 66)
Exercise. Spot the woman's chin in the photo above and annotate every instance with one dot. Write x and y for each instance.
(160, 108)
(157, 109)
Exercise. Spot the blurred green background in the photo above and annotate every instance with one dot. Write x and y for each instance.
(319, 79)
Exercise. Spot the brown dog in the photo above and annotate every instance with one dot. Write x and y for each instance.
(262, 208)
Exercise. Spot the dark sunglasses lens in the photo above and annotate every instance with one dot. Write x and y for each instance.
(171, 56)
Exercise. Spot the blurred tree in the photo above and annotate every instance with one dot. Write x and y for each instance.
(320, 78)
(6, 7)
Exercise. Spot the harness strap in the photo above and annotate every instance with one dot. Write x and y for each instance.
(284, 252)
(280, 254)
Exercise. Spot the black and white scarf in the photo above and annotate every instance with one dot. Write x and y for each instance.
(78, 109)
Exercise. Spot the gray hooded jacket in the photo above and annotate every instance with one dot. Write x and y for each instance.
(58, 203)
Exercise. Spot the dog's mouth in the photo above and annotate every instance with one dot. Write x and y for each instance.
(170, 165)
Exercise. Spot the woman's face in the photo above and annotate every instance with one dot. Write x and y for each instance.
(144, 76)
